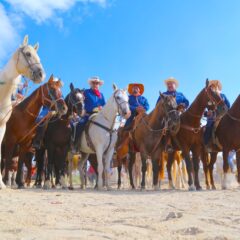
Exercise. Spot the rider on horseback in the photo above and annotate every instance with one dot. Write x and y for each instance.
(138, 103)
(211, 114)
(94, 101)
(182, 102)
(172, 85)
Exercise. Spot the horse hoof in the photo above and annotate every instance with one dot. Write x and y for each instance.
(70, 188)
(2, 185)
(83, 187)
(156, 188)
(21, 187)
(109, 188)
(38, 186)
(208, 187)
(46, 185)
(192, 188)
(199, 188)
(119, 187)
(213, 187)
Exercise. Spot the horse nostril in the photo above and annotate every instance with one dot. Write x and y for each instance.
(40, 74)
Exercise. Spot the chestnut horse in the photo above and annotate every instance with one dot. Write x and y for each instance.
(227, 133)
(148, 133)
(22, 123)
(190, 135)
(57, 140)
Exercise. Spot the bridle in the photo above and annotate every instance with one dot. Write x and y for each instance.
(119, 104)
(30, 65)
(75, 103)
(212, 101)
(52, 100)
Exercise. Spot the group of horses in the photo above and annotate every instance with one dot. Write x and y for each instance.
(149, 134)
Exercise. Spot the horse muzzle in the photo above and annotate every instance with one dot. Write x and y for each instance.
(38, 75)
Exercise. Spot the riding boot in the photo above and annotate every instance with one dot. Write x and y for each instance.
(37, 141)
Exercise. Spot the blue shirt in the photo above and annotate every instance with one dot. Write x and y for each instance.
(223, 96)
(180, 98)
(44, 111)
(92, 101)
(135, 102)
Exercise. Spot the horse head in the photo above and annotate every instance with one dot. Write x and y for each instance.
(170, 112)
(52, 96)
(214, 99)
(28, 62)
(120, 97)
(75, 100)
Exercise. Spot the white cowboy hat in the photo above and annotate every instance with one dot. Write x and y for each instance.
(95, 79)
(172, 79)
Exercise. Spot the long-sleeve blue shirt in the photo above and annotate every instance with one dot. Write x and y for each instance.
(135, 102)
(92, 101)
(180, 98)
(226, 101)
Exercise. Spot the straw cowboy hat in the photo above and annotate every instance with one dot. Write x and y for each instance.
(95, 79)
(173, 80)
(215, 83)
(132, 85)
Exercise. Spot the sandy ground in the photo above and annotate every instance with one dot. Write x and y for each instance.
(119, 214)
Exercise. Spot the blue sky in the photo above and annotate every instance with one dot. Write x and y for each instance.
(125, 41)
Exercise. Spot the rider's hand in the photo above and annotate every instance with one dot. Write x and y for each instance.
(140, 109)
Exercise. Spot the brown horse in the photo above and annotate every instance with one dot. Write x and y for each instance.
(22, 123)
(227, 133)
(189, 138)
(148, 133)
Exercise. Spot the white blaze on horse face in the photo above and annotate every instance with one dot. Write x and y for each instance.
(28, 63)
(121, 99)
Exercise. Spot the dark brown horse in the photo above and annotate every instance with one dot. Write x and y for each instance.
(148, 133)
(22, 125)
(227, 134)
(189, 138)
(57, 141)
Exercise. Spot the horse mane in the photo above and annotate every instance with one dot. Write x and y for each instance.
(235, 106)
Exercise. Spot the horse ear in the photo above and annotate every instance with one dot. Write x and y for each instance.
(60, 83)
(51, 78)
(114, 87)
(71, 87)
(207, 82)
(36, 46)
(25, 41)
(161, 95)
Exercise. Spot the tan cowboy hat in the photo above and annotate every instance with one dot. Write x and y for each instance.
(216, 84)
(139, 85)
(172, 79)
(95, 79)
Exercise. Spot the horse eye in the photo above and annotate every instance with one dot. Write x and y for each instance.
(28, 54)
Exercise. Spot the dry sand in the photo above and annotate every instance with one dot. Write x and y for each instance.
(119, 214)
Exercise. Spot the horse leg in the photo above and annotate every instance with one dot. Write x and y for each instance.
(19, 178)
(169, 168)
(9, 152)
(99, 153)
(204, 158)
(189, 171)
(238, 166)
(108, 157)
(144, 169)
(132, 156)
(2, 132)
(119, 168)
(196, 160)
(28, 164)
(39, 157)
(84, 157)
(225, 168)
(155, 169)
(49, 168)
(213, 159)
(70, 169)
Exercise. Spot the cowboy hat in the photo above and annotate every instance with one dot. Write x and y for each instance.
(132, 85)
(216, 84)
(173, 80)
(95, 79)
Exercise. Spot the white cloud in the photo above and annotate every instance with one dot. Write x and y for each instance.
(38, 10)
(8, 34)
(43, 10)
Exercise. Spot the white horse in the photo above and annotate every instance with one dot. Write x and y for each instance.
(101, 136)
(26, 62)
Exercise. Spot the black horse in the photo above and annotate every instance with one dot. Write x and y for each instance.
(57, 141)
